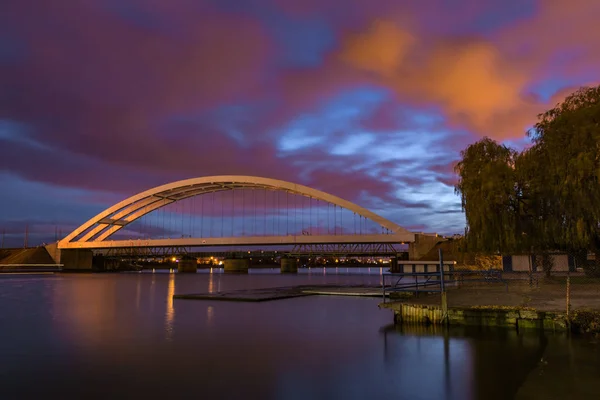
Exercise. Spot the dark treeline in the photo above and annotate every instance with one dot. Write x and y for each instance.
(545, 198)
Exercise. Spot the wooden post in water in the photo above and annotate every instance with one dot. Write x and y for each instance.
(443, 288)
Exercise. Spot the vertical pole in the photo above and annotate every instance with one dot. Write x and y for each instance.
(530, 268)
(443, 289)
(26, 235)
(569, 298)
(2, 244)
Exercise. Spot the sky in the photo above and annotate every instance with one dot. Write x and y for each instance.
(368, 100)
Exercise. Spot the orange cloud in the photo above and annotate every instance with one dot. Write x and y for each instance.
(382, 49)
(469, 80)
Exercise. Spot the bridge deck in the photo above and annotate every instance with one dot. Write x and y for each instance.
(242, 241)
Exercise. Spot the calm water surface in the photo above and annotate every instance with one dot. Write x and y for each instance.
(122, 336)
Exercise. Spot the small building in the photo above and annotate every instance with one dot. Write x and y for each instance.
(561, 262)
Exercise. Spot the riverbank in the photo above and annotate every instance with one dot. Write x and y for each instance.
(517, 305)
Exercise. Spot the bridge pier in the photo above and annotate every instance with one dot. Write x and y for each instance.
(394, 265)
(422, 245)
(187, 266)
(289, 265)
(238, 265)
(76, 260)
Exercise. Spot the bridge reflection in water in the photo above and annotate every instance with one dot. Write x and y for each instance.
(472, 362)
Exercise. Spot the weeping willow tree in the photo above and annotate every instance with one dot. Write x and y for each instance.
(545, 198)
(567, 145)
(489, 196)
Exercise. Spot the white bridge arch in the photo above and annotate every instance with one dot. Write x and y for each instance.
(94, 233)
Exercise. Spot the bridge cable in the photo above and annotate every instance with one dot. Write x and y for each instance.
(287, 219)
(318, 222)
(243, 214)
(265, 210)
(172, 222)
(152, 225)
(302, 214)
(254, 202)
(192, 213)
(212, 213)
(334, 220)
(222, 214)
(310, 215)
(201, 215)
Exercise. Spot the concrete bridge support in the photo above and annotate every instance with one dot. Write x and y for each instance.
(238, 265)
(187, 266)
(422, 245)
(394, 265)
(76, 260)
(289, 265)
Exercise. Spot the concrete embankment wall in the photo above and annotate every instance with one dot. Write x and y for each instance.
(36, 255)
(518, 318)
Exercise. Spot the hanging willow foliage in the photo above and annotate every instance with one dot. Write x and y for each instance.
(545, 198)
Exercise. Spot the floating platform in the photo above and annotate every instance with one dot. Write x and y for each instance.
(280, 293)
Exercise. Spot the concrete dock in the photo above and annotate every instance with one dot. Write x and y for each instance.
(288, 292)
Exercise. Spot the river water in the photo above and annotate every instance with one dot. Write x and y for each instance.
(112, 336)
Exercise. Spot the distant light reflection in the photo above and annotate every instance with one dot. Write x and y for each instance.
(170, 312)
(210, 312)
(138, 293)
(211, 282)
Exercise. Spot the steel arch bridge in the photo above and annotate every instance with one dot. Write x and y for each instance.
(96, 232)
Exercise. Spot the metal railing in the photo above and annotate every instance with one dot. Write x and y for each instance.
(436, 281)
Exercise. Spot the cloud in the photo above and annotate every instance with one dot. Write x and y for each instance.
(381, 50)
(467, 79)
(111, 98)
